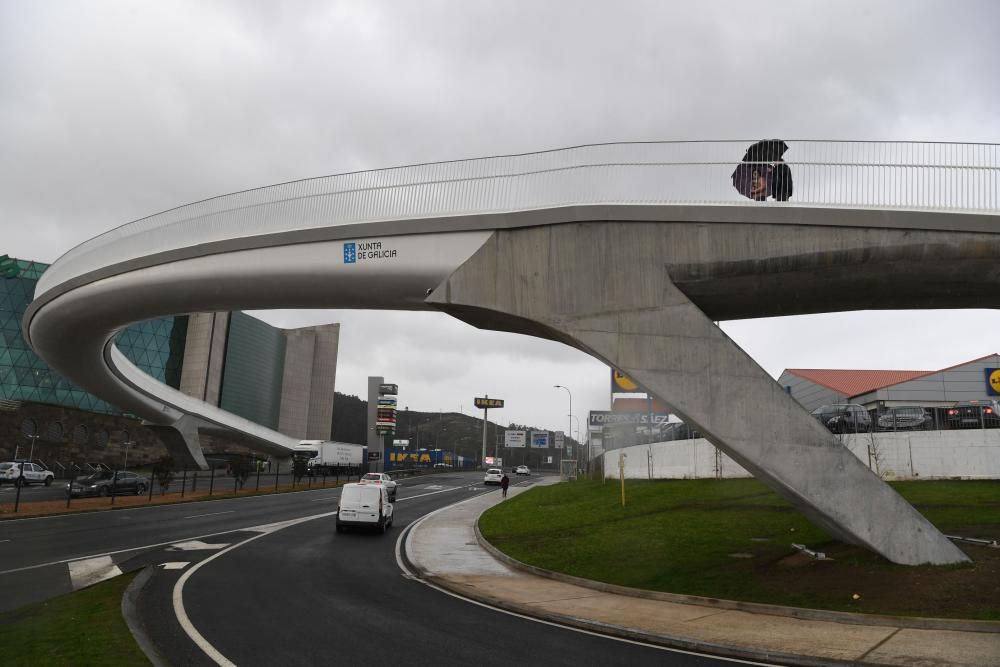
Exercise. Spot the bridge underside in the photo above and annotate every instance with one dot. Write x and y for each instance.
(643, 297)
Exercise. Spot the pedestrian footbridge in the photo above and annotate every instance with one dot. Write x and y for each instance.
(630, 252)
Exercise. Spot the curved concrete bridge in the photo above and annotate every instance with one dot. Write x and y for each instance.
(628, 252)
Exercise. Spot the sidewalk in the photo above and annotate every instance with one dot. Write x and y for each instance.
(445, 549)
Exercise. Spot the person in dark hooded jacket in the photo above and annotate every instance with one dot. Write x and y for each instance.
(763, 173)
(504, 483)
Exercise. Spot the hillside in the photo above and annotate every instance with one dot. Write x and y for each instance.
(452, 431)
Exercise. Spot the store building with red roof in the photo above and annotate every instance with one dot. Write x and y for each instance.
(876, 389)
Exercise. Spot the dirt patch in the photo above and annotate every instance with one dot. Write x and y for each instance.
(958, 591)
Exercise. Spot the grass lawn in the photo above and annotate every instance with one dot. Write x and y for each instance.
(80, 629)
(732, 539)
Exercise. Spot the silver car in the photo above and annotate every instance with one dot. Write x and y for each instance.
(909, 417)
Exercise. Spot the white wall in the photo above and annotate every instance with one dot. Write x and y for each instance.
(961, 454)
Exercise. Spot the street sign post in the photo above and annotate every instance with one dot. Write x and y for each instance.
(485, 403)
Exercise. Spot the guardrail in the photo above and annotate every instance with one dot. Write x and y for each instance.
(848, 174)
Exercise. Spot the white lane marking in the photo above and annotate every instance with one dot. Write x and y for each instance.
(421, 495)
(433, 487)
(178, 596)
(1, 541)
(158, 544)
(197, 545)
(198, 516)
(175, 565)
(123, 551)
(83, 573)
(409, 574)
(316, 500)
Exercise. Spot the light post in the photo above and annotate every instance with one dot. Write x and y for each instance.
(31, 452)
(570, 430)
(128, 442)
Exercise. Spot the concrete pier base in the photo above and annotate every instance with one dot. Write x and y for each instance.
(608, 289)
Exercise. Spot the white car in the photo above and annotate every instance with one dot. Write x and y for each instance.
(380, 479)
(522, 470)
(33, 474)
(493, 476)
(364, 506)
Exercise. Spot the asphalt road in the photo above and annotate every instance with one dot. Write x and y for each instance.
(299, 594)
(306, 595)
(34, 552)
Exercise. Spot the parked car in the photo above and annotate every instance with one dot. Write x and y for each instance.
(380, 479)
(364, 506)
(906, 417)
(493, 476)
(442, 465)
(522, 470)
(983, 413)
(10, 471)
(105, 483)
(844, 418)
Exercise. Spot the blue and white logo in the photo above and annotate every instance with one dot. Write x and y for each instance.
(350, 252)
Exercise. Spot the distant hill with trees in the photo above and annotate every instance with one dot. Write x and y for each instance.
(450, 431)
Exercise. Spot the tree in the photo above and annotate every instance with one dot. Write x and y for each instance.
(163, 470)
(240, 469)
(298, 468)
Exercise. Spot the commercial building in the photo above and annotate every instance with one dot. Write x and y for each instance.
(281, 379)
(880, 389)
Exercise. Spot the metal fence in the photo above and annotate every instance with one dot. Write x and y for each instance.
(961, 177)
(153, 486)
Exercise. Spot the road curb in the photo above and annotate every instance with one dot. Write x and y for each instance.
(907, 622)
(130, 612)
(667, 641)
(631, 634)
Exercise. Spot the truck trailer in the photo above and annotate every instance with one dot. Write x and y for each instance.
(328, 457)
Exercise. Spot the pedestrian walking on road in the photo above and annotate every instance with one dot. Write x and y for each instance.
(504, 483)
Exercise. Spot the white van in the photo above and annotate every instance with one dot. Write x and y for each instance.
(364, 505)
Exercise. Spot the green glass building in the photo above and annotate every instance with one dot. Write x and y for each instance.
(283, 380)
(155, 346)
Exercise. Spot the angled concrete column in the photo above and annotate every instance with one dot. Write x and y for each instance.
(182, 442)
(606, 289)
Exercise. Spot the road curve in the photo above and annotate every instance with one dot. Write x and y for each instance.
(305, 595)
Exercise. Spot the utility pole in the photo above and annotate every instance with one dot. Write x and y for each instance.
(486, 414)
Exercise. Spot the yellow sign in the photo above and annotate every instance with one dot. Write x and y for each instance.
(993, 380)
(621, 383)
(486, 402)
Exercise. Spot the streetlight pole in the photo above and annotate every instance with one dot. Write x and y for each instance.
(570, 429)
(31, 453)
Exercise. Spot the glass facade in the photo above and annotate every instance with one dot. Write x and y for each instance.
(156, 347)
(252, 375)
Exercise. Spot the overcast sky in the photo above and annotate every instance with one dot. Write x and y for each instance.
(110, 111)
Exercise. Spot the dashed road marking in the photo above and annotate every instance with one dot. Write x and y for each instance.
(198, 516)
(197, 545)
(175, 565)
(83, 573)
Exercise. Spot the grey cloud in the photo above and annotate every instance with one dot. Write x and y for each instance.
(111, 111)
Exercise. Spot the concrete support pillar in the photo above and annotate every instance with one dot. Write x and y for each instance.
(606, 289)
(182, 442)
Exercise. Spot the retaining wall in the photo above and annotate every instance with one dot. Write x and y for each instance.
(958, 454)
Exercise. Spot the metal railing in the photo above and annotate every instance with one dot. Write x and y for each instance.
(847, 174)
